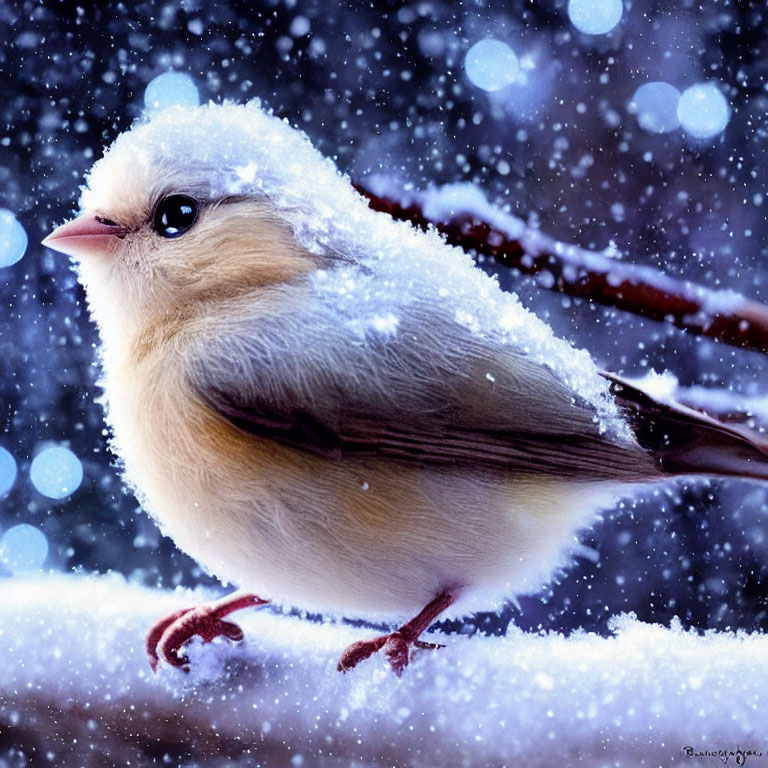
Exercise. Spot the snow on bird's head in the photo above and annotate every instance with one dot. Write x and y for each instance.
(214, 151)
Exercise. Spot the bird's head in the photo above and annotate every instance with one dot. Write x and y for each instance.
(191, 207)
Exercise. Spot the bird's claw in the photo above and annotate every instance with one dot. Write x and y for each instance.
(397, 647)
(167, 636)
(359, 651)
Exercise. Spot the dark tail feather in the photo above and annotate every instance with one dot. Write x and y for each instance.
(684, 441)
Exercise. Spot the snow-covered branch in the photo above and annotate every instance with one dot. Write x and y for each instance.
(462, 214)
(75, 685)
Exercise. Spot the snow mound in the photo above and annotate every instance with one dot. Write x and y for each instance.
(75, 687)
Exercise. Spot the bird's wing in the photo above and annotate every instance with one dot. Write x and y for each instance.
(456, 399)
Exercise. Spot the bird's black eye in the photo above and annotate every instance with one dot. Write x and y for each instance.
(175, 215)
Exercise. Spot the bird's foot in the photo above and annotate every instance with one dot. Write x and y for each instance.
(397, 647)
(166, 637)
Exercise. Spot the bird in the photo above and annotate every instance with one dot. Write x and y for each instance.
(337, 411)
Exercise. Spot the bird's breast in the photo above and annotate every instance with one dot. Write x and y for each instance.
(197, 475)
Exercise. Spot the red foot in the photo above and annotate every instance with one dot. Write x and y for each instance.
(166, 637)
(397, 648)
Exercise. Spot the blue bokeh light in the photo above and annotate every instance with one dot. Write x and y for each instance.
(171, 89)
(23, 548)
(491, 65)
(13, 239)
(595, 17)
(703, 110)
(8, 471)
(56, 472)
(655, 105)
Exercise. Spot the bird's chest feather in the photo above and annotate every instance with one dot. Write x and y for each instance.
(192, 471)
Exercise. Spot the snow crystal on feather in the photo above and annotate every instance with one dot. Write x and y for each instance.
(244, 149)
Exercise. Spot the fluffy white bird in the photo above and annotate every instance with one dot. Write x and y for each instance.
(332, 409)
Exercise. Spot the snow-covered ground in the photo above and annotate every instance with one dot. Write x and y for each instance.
(76, 690)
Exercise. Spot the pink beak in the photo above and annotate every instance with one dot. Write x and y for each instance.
(86, 235)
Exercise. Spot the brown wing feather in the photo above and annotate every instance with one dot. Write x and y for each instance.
(563, 455)
(678, 440)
